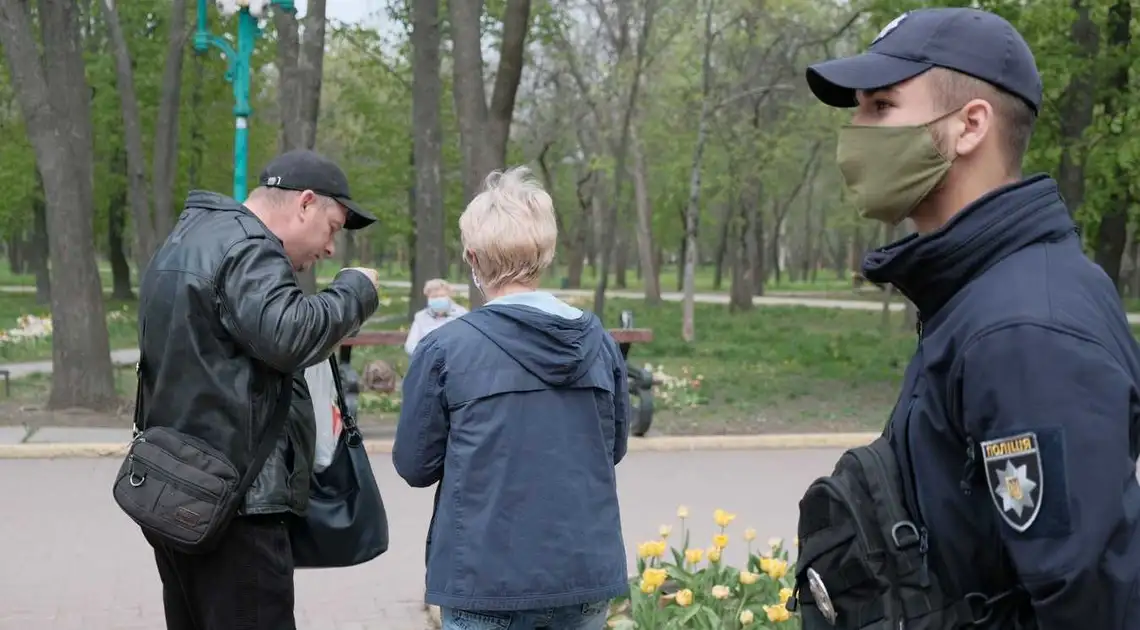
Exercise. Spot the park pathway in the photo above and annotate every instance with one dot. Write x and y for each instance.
(72, 561)
(127, 356)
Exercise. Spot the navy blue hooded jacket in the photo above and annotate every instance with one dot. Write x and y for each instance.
(1020, 411)
(519, 411)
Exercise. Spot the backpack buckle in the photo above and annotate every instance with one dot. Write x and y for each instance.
(905, 534)
(980, 608)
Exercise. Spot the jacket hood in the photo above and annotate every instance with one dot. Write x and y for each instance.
(929, 269)
(554, 349)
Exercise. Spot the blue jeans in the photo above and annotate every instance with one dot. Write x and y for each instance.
(591, 616)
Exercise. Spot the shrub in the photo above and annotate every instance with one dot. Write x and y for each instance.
(690, 587)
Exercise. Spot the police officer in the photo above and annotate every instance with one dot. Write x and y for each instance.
(1020, 408)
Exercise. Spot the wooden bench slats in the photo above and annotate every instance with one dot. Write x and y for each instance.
(397, 337)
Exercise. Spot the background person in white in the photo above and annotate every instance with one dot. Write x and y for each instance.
(440, 309)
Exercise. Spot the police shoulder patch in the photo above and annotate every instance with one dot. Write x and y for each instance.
(1014, 478)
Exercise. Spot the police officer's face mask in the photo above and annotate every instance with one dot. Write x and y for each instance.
(891, 169)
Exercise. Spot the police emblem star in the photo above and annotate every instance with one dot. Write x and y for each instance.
(1014, 478)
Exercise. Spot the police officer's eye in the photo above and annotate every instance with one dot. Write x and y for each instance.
(881, 105)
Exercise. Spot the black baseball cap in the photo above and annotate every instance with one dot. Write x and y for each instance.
(977, 43)
(308, 170)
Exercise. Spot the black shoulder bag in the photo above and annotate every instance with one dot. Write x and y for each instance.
(346, 523)
(182, 490)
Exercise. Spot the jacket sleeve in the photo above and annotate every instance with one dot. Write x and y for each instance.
(1051, 414)
(621, 405)
(414, 335)
(265, 310)
(421, 434)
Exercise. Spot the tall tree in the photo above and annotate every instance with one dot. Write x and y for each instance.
(483, 130)
(165, 154)
(427, 87)
(138, 197)
(55, 101)
(300, 63)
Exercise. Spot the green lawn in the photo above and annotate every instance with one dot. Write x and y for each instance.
(771, 369)
(121, 325)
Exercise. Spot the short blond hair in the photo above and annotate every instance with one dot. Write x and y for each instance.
(436, 284)
(510, 229)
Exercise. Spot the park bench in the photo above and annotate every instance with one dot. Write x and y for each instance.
(640, 380)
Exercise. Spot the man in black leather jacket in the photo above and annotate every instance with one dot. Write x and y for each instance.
(222, 326)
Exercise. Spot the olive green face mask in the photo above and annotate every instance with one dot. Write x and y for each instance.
(890, 169)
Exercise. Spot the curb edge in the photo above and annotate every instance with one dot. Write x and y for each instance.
(659, 444)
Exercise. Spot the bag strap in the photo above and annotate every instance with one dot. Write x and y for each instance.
(353, 436)
(269, 437)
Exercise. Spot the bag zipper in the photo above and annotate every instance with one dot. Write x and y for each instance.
(191, 488)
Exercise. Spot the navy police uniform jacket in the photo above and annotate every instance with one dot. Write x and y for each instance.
(1020, 412)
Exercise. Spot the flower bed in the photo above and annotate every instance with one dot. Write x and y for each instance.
(689, 586)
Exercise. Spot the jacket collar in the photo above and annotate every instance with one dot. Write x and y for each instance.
(930, 269)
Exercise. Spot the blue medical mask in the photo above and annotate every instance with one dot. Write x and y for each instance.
(439, 305)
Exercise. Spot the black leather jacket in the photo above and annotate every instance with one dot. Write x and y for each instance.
(223, 326)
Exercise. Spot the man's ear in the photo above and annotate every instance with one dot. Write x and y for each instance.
(308, 201)
(978, 118)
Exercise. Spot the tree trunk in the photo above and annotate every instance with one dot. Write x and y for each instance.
(743, 243)
(165, 156)
(621, 256)
(1077, 104)
(483, 131)
(300, 64)
(427, 88)
(54, 99)
(120, 268)
(1112, 234)
(137, 195)
(692, 212)
(39, 244)
(720, 257)
(650, 275)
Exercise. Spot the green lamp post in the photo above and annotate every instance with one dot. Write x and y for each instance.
(238, 69)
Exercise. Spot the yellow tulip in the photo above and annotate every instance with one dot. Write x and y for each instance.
(713, 554)
(748, 577)
(796, 542)
(777, 613)
(664, 531)
(683, 512)
(720, 541)
(775, 543)
(785, 595)
(746, 617)
(721, 591)
(693, 556)
(723, 518)
(684, 597)
(651, 549)
(777, 569)
(765, 562)
(749, 534)
(652, 579)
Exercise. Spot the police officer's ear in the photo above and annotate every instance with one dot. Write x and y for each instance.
(972, 125)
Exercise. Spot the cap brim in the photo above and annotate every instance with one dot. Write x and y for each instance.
(357, 217)
(835, 82)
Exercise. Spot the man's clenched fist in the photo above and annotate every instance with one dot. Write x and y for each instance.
(371, 273)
